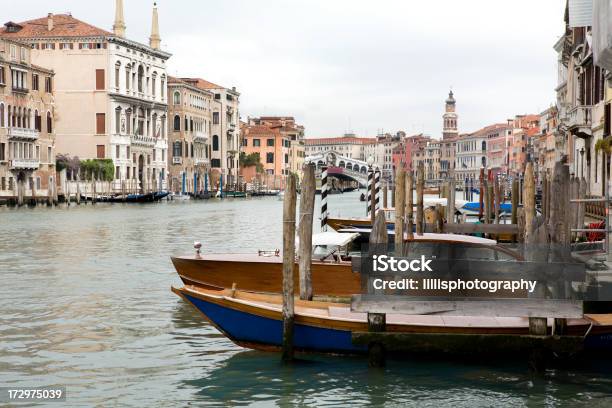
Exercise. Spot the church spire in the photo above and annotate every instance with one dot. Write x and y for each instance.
(119, 26)
(155, 39)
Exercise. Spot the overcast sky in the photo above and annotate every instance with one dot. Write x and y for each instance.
(355, 65)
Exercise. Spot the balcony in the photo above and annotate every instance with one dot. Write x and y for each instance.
(177, 160)
(23, 133)
(199, 137)
(19, 89)
(201, 161)
(24, 164)
(579, 121)
(140, 140)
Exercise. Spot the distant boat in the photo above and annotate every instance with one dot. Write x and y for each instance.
(255, 321)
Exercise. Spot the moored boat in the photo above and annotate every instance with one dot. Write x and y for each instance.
(332, 272)
(255, 321)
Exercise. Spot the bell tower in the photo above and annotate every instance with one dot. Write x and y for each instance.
(119, 26)
(449, 129)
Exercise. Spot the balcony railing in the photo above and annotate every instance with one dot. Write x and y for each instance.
(201, 161)
(23, 133)
(141, 140)
(177, 160)
(24, 164)
(579, 121)
(199, 137)
(20, 89)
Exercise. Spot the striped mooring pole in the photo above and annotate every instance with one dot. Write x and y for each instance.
(369, 191)
(324, 189)
(377, 190)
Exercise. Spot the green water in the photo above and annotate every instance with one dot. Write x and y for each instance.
(85, 302)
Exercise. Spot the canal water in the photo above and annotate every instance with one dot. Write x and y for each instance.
(85, 302)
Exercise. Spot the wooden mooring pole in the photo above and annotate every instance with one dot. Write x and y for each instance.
(377, 322)
(288, 266)
(409, 204)
(400, 196)
(420, 228)
(307, 201)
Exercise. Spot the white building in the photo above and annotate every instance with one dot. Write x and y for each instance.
(471, 155)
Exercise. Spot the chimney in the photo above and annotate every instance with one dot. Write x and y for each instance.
(154, 39)
(119, 26)
(49, 21)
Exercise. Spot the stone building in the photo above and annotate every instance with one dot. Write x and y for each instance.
(273, 148)
(27, 112)
(189, 130)
(225, 131)
(110, 93)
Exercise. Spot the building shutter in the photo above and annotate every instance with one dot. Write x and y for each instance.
(100, 151)
(100, 123)
(99, 79)
(607, 119)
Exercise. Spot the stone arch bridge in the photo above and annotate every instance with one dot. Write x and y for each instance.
(341, 167)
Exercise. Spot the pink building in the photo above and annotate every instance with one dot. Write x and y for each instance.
(402, 153)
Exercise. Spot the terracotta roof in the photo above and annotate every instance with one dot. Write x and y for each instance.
(64, 25)
(338, 140)
(202, 83)
(260, 130)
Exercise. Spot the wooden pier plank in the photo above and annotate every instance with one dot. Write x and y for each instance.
(449, 306)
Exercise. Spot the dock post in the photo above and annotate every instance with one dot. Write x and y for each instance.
(514, 213)
(400, 206)
(450, 202)
(439, 224)
(393, 188)
(324, 192)
(581, 206)
(369, 193)
(465, 189)
(288, 266)
(372, 198)
(409, 204)
(307, 200)
(385, 193)
(50, 191)
(498, 200)
(451, 217)
(419, 188)
(376, 190)
(377, 321)
(78, 189)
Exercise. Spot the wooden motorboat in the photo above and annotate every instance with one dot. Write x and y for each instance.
(255, 321)
(332, 272)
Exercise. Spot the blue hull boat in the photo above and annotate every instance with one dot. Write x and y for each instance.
(254, 321)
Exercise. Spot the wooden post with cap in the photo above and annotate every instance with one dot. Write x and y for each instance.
(288, 266)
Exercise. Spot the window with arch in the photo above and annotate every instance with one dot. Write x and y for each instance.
(49, 123)
(117, 73)
(215, 143)
(177, 123)
(176, 98)
(118, 120)
(153, 81)
(1, 114)
(140, 77)
(177, 149)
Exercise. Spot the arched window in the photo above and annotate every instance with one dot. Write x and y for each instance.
(191, 149)
(118, 120)
(29, 119)
(215, 143)
(1, 115)
(49, 123)
(484, 145)
(117, 73)
(140, 77)
(153, 80)
(176, 98)
(177, 123)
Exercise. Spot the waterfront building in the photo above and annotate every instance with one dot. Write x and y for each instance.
(349, 145)
(291, 131)
(499, 138)
(110, 93)
(524, 129)
(27, 123)
(225, 131)
(582, 101)
(471, 155)
(427, 152)
(189, 131)
(273, 148)
(545, 152)
(385, 143)
(403, 152)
